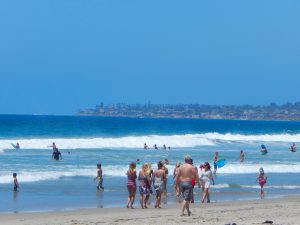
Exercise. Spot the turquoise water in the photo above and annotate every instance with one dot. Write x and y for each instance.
(115, 142)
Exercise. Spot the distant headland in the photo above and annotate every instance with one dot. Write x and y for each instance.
(288, 111)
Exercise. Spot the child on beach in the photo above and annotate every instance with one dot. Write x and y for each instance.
(16, 183)
(262, 179)
(99, 178)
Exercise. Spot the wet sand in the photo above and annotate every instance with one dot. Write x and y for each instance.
(279, 211)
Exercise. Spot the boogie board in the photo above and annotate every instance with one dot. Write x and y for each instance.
(221, 162)
(264, 152)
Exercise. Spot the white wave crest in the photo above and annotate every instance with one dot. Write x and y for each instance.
(262, 137)
(175, 141)
(254, 168)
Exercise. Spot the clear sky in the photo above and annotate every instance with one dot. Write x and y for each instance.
(58, 56)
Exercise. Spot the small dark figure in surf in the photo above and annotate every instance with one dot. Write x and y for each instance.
(215, 159)
(99, 178)
(16, 183)
(242, 156)
(56, 155)
(155, 146)
(146, 146)
(17, 146)
(263, 149)
(164, 147)
(293, 148)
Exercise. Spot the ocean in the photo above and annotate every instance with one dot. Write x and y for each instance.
(47, 185)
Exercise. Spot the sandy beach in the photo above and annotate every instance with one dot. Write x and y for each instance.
(279, 211)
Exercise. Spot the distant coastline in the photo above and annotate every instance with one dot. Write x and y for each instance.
(287, 112)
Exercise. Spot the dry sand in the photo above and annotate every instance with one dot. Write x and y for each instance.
(281, 211)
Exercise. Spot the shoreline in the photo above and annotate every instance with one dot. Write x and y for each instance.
(280, 211)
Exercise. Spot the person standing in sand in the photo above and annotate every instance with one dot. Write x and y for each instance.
(186, 173)
(131, 184)
(262, 179)
(144, 185)
(159, 182)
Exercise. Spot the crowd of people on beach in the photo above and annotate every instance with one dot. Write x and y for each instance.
(185, 177)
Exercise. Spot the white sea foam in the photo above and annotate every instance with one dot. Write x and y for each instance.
(175, 141)
(290, 187)
(32, 175)
(254, 168)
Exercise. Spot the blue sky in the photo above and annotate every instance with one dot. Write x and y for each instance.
(58, 56)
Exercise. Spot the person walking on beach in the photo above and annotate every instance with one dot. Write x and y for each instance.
(242, 156)
(16, 183)
(99, 177)
(176, 186)
(159, 182)
(262, 179)
(215, 159)
(144, 185)
(206, 177)
(186, 173)
(165, 191)
(131, 184)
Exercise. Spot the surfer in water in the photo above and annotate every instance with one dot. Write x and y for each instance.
(56, 155)
(293, 148)
(155, 146)
(263, 149)
(146, 146)
(242, 156)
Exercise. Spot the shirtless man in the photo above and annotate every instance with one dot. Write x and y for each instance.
(186, 173)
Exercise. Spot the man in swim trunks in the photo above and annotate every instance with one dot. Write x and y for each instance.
(186, 173)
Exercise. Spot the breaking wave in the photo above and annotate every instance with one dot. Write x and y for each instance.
(175, 141)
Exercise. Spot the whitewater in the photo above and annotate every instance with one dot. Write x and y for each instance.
(175, 141)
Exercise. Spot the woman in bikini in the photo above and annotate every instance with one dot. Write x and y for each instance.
(144, 185)
(131, 185)
(159, 182)
(262, 179)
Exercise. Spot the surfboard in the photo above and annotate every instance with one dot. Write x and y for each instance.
(14, 146)
(221, 162)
